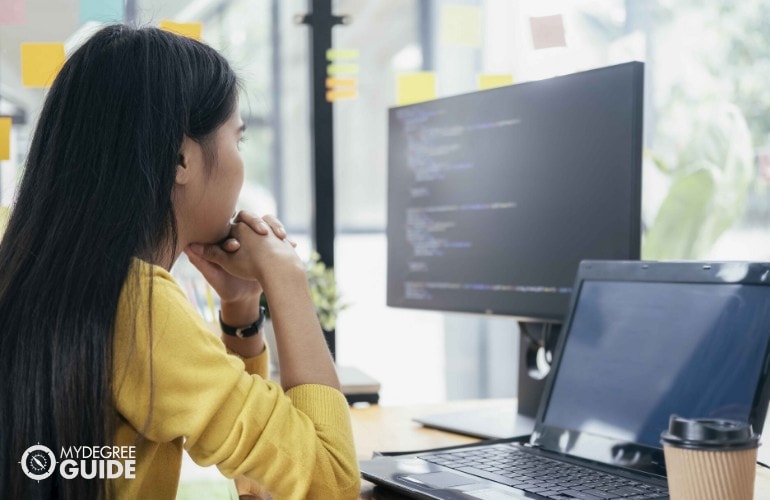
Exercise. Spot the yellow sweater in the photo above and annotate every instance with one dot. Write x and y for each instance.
(220, 408)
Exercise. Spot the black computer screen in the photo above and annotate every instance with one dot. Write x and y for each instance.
(638, 353)
(494, 197)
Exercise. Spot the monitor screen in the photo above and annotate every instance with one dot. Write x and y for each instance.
(494, 197)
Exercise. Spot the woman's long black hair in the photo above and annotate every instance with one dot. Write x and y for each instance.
(96, 193)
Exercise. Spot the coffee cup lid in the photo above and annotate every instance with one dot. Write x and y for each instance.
(707, 433)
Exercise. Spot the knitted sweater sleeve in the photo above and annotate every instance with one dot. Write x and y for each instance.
(257, 365)
(297, 444)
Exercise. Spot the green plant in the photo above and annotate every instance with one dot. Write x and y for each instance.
(323, 291)
(710, 178)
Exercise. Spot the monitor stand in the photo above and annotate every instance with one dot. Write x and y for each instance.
(490, 422)
(357, 386)
(506, 420)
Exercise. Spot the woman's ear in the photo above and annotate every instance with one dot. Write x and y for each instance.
(182, 171)
(189, 160)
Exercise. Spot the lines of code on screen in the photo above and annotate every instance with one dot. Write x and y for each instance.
(494, 197)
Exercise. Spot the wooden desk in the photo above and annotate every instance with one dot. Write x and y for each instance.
(378, 428)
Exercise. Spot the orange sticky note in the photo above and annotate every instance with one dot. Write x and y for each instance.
(340, 82)
(40, 63)
(341, 94)
(494, 81)
(191, 30)
(547, 31)
(5, 138)
(416, 87)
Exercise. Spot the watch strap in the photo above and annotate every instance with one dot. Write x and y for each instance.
(246, 331)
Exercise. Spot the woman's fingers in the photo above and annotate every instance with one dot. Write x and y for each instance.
(276, 225)
(211, 253)
(263, 225)
(254, 222)
(230, 245)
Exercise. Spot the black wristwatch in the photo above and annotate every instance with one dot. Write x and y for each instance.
(246, 331)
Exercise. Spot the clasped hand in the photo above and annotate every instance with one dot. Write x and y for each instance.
(256, 250)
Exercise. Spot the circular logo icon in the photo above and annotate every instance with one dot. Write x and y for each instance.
(38, 462)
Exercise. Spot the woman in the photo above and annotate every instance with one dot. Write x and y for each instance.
(134, 160)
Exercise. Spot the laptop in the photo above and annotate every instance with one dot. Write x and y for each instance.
(641, 341)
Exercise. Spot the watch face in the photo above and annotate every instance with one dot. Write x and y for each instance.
(38, 462)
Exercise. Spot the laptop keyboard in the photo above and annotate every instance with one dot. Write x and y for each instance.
(506, 464)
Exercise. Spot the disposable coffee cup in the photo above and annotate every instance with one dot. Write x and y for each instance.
(710, 459)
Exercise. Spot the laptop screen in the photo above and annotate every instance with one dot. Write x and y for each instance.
(639, 351)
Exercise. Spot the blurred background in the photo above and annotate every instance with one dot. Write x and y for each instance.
(706, 136)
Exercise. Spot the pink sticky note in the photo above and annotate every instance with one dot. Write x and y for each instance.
(12, 12)
(547, 31)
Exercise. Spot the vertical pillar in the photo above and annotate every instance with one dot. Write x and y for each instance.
(321, 21)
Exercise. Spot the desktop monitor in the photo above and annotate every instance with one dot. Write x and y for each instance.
(494, 197)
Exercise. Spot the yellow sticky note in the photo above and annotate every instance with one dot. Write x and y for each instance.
(547, 31)
(191, 30)
(494, 81)
(40, 63)
(461, 25)
(5, 138)
(341, 54)
(342, 69)
(416, 87)
(5, 212)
